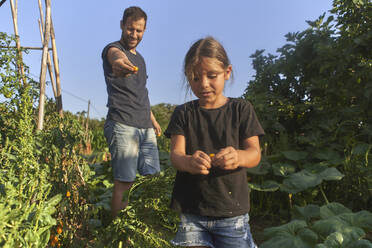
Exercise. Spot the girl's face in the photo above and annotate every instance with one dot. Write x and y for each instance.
(209, 81)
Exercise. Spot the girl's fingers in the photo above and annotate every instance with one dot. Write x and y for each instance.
(204, 159)
(201, 162)
(226, 158)
(221, 159)
(225, 151)
(201, 169)
(204, 163)
(231, 164)
(221, 155)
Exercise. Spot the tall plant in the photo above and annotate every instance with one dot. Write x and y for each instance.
(25, 205)
(314, 101)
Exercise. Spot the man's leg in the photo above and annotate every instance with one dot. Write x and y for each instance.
(117, 202)
(148, 160)
(123, 146)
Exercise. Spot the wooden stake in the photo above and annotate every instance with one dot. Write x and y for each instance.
(44, 66)
(18, 43)
(87, 123)
(56, 70)
(25, 47)
(49, 60)
(58, 94)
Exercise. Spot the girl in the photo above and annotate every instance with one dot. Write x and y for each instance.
(213, 140)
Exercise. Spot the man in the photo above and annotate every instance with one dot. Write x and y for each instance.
(130, 126)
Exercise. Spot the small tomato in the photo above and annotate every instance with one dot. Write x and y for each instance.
(53, 240)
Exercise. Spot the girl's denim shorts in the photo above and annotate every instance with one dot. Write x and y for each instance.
(233, 232)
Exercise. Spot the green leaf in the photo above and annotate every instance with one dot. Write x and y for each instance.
(330, 174)
(295, 155)
(362, 243)
(344, 238)
(107, 184)
(362, 219)
(335, 240)
(361, 149)
(31, 237)
(300, 181)
(306, 213)
(292, 234)
(47, 220)
(44, 238)
(261, 169)
(335, 224)
(52, 203)
(305, 179)
(106, 195)
(10, 156)
(358, 2)
(266, 186)
(283, 169)
(329, 155)
(333, 209)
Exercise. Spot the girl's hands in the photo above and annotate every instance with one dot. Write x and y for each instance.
(227, 158)
(199, 163)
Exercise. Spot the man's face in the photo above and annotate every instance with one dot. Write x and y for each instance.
(132, 32)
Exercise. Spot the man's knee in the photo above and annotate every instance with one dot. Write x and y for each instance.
(122, 186)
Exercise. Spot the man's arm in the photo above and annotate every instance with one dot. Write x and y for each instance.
(155, 124)
(121, 66)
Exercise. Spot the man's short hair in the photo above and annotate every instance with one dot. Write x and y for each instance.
(135, 13)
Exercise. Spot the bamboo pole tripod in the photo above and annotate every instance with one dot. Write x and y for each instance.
(47, 35)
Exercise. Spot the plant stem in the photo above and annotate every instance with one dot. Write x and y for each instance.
(323, 194)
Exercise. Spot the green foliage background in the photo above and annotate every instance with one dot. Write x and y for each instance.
(313, 98)
(314, 101)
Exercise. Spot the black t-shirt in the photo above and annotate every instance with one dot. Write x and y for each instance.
(128, 100)
(221, 193)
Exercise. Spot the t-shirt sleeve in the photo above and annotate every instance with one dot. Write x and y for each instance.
(106, 64)
(107, 47)
(249, 123)
(177, 123)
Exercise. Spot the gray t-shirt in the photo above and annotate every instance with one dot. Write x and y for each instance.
(128, 100)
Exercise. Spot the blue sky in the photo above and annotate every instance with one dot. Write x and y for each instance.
(83, 28)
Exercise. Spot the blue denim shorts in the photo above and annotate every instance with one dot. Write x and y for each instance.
(132, 149)
(195, 230)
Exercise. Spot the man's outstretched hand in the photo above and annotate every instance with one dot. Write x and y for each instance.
(121, 66)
